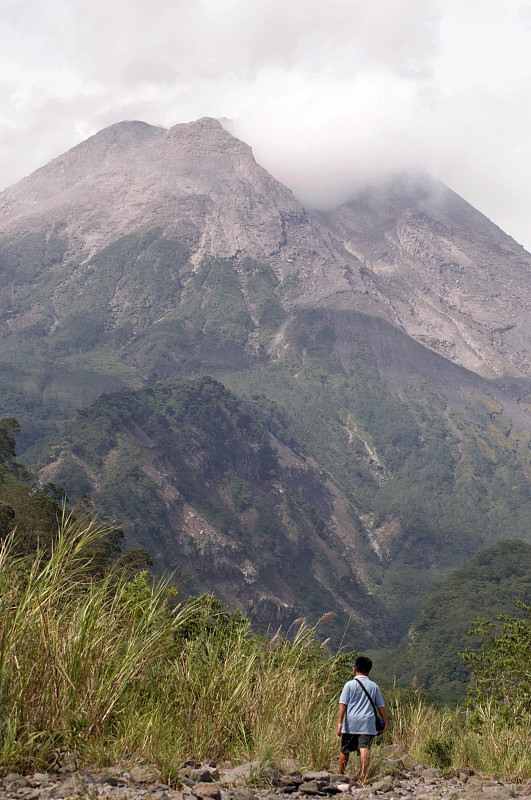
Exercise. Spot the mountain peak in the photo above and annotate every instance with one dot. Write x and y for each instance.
(132, 132)
(195, 181)
(408, 250)
(208, 132)
(203, 123)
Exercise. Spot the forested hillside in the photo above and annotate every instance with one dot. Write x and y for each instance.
(491, 584)
(31, 515)
(436, 471)
(219, 489)
(338, 495)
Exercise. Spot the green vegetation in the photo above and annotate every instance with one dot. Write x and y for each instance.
(115, 668)
(491, 584)
(29, 515)
(33, 514)
(214, 455)
(26, 259)
(453, 739)
(500, 667)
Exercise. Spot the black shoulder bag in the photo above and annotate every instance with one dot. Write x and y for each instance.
(380, 724)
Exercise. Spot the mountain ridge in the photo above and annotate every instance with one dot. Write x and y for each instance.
(200, 165)
(239, 509)
(409, 250)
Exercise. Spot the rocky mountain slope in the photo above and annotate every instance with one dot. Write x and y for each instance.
(219, 490)
(409, 251)
(195, 182)
(393, 334)
(452, 279)
(340, 496)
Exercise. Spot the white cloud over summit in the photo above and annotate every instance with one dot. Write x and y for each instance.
(329, 95)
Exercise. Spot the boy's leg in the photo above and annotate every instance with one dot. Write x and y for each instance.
(343, 761)
(365, 758)
(364, 749)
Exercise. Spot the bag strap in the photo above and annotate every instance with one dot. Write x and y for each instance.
(370, 698)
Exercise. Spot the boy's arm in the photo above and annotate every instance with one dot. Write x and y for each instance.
(342, 710)
(383, 714)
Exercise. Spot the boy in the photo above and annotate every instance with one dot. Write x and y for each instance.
(357, 722)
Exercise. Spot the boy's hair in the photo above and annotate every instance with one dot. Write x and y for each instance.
(363, 664)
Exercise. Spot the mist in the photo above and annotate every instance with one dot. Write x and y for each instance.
(329, 97)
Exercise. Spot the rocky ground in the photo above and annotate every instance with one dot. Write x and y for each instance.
(397, 776)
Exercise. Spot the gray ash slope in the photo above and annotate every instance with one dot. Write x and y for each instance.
(454, 280)
(410, 250)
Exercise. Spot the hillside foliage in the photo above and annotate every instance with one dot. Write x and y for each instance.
(30, 515)
(501, 665)
(426, 490)
(216, 461)
(490, 585)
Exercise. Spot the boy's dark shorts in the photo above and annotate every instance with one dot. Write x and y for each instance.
(353, 741)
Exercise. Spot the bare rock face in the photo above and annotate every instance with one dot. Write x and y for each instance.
(196, 181)
(448, 276)
(411, 251)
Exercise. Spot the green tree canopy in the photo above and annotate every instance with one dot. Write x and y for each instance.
(501, 666)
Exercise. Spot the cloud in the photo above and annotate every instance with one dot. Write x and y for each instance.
(329, 95)
(331, 136)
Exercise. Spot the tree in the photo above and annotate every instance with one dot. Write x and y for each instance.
(501, 666)
(9, 430)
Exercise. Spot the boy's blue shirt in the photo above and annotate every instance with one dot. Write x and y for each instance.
(359, 717)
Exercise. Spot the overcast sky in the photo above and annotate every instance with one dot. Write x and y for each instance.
(329, 94)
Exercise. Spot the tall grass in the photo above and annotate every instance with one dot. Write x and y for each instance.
(457, 738)
(235, 697)
(109, 667)
(71, 645)
(105, 666)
